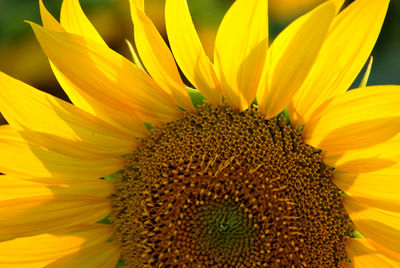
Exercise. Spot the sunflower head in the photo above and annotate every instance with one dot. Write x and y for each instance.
(281, 166)
(237, 192)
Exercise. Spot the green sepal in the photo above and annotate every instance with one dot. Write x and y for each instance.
(356, 234)
(105, 220)
(113, 177)
(148, 126)
(195, 96)
(285, 113)
(121, 263)
(109, 240)
(254, 102)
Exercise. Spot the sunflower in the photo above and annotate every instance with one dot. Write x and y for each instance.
(144, 171)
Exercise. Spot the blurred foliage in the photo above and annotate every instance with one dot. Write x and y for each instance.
(14, 12)
(386, 67)
(285, 10)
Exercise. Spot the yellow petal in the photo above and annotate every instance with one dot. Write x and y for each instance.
(379, 188)
(48, 20)
(370, 171)
(240, 51)
(157, 58)
(135, 56)
(355, 120)
(14, 188)
(362, 141)
(74, 21)
(362, 255)
(107, 76)
(372, 159)
(40, 250)
(139, 4)
(371, 151)
(189, 52)
(105, 255)
(382, 202)
(26, 108)
(393, 255)
(344, 53)
(291, 56)
(18, 158)
(367, 73)
(380, 226)
(43, 214)
(123, 120)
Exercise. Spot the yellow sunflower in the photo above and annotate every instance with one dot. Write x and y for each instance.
(137, 172)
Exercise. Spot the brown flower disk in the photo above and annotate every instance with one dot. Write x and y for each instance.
(221, 188)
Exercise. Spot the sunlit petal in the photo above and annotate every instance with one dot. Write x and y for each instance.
(348, 45)
(240, 51)
(291, 56)
(107, 75)
(158, 59)
(189, 52)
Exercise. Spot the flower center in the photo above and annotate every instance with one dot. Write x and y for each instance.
(221, 187)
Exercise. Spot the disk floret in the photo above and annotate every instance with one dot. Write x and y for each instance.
(221, 187)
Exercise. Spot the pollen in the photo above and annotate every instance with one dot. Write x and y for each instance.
(222, 188)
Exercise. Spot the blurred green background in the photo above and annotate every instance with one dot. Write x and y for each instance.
(21, 56)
